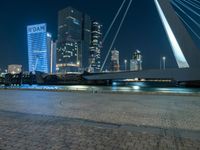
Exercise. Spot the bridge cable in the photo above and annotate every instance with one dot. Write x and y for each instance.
(188, 26)
(197, 1)
(187, 7)
(116, 35)
(197, 4)
(195, 22)
(113, 21)
(192, 4)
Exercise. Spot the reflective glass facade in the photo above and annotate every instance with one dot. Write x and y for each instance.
(38, 48)
(73, 40)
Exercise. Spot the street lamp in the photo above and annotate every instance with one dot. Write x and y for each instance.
(164, 62)
(125, 64)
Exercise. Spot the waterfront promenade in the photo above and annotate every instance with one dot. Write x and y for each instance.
(80, 120)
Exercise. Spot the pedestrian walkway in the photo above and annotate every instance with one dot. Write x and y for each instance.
(31, 132)
(31, 120)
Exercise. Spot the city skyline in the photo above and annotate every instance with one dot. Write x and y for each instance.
(135, 33)
(100, 75)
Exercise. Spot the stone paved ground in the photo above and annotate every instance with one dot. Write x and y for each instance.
(53, 120)
(36, 132)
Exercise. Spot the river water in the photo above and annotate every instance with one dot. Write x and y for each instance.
(113, 88)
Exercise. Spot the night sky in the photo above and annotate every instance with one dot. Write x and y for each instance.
(142, 28)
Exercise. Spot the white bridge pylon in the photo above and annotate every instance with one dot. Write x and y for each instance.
(178, 54)
(186, 53)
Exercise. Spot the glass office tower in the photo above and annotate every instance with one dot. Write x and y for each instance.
(74, 38)
(38, 48)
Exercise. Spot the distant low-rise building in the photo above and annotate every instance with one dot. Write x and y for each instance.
(14, 69)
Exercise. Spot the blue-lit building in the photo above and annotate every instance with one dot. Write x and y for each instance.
(38, 48)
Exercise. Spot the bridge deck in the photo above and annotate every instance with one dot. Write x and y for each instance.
(175, 74)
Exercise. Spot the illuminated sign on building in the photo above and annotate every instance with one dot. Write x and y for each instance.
(36, 28)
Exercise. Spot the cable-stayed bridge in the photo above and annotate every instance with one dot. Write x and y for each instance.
(176, 16)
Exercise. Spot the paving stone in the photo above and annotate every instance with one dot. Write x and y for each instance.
(64, 121)
(35, 133)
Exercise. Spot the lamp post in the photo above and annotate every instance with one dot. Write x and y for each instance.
(125, 64)
(164, 62)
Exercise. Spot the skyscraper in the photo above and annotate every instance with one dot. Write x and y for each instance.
(53, 57)
(38, 47)
(136, 61)
(115, 60)
(49, 40)
(74, 36)
(95, 48)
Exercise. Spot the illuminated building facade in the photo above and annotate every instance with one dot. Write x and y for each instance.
(14, 69)
(74, 36)
(96, 46)
(49, 47)
(53, 56)
(38, 48)
(115, 60)
(136, 61)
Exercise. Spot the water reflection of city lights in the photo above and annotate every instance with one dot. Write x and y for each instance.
(114, 84)
(133, 87)
(136, 87)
